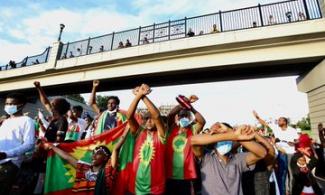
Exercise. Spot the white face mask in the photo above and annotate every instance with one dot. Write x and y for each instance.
(11, 109)
(113, 111)
(223, 147)
(184, 122)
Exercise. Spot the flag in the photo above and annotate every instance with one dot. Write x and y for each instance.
(60, 175)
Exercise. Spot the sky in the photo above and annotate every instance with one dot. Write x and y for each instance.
(28, 27)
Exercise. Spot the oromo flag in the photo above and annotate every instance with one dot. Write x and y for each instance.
(60, 175)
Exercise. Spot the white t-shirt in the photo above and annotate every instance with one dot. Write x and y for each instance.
(82, 124)
(17, 136)
(288, 135)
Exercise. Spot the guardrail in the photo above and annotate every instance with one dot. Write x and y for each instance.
(28, 61)
(222, 21)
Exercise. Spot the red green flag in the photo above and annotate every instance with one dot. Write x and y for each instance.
(120, 119)
(148, 172)
(60, 175)
(179, 156)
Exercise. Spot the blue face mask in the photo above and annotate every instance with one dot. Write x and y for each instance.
(184, 122)
(223, 147)
(11, 109)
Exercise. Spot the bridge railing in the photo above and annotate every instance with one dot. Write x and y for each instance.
(222, 21)
(28, 61)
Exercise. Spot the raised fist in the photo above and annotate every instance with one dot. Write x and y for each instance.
(96, 83)
(37, 84)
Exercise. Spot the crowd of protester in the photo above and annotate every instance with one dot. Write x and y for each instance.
(186, 157)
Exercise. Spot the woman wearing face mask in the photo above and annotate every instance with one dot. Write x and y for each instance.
(220, 170)
(181, 169)
(16, 138)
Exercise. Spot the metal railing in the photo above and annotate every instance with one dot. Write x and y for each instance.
(28, 61)
(222, 21)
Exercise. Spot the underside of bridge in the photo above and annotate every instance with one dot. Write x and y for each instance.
(212, 74)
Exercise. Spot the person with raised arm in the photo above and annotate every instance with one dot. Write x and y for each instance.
(221, 170)
(180, 160)
(99, 176)
(148, 174)
(111, 117)
(286, 136)
(58, 107)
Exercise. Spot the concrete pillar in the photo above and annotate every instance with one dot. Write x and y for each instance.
(54, 55)
(322, 7)
(313, 83)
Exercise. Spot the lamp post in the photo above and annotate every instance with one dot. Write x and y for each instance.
(61, 29)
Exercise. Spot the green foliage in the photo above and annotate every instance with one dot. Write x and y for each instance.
(304, 123)
(102, 101)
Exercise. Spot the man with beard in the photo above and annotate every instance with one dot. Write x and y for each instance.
(111, 117)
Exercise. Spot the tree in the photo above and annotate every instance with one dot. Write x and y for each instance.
(101, 102)
(304, 123)
(76, 97)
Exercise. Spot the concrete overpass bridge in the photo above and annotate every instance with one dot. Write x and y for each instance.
(278, 39)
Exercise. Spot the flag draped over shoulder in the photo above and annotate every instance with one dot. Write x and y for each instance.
(60, 175)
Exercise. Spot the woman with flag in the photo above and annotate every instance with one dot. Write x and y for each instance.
(148, 173)
(97, 177)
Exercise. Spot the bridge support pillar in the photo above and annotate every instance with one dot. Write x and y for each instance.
(54, 55)
(313, 83)
(322, 7)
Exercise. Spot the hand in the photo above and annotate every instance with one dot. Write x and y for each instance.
(193, 98)
(96, 83)
(144, 89)
(244, 132)
(37, 84)
(3, 155)
(255, 114)
(135, 91)
(47, 146)
(305, 151)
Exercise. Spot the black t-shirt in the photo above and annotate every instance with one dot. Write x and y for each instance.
(59, 124)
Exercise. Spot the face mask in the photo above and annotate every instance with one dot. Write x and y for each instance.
(223, 147)
(113, 111)
(184, 122)
(11, 109)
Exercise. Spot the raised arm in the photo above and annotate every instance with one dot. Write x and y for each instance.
(171, 115)
(207, 139)
(261, 121)
(256, 151)
(200, 121)
(70, 159)
(155, 114)
(117, 147)
(92, 98)
(42, 96)
(132, 122)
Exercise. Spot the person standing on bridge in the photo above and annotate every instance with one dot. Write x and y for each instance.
(58, 107)
(111, 117)
(180, 160)
(17, 136)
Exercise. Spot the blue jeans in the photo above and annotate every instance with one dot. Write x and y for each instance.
(282, 172)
